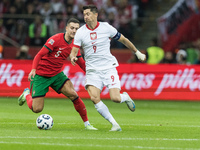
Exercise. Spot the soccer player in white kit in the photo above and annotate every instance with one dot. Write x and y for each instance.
(94, 37)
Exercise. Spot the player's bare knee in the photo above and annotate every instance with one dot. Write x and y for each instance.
(72, 96)
(94, 99)
(116, 99)
(37, 110)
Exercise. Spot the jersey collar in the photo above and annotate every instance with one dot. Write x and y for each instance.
(66, 40)
(95, 27)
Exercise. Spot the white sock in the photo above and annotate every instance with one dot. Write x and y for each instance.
(86, 123)
(124, 97)
(103, 110)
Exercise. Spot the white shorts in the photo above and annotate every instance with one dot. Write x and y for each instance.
(101, 78)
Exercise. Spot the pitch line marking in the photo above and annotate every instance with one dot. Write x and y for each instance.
(164, 125)
(88, 138)
(92, 145)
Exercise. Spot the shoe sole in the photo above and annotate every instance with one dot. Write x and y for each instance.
(131, 108)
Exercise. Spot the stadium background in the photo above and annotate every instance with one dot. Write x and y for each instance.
(171, 22)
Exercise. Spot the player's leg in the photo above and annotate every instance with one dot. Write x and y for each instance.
(35, 104)
(113, 83)
(38, 104)
(35, 99)
(94, 85)
(39, 88)
(101, 107)
(68, 90)
(116, 96)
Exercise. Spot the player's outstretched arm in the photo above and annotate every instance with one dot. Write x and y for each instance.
(73, 55)
(129, 45)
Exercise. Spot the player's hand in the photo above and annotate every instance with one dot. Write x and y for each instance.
(140, 56)
(73, 60)
(31, 74)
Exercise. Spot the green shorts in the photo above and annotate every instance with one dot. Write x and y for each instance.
(40, 84)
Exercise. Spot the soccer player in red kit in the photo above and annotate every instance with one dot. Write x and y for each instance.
(47, 72)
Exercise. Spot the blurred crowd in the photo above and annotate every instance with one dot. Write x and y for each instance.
(31, 22)
(186, 53)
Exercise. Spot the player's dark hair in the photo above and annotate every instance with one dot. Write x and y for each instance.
(92, 8)
(74, 20)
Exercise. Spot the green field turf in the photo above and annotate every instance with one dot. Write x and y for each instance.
(155, 125)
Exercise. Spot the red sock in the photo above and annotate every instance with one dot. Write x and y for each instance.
(80, 108)
(29, 101)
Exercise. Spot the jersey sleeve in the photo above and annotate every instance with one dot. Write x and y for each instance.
(111, 30)
(50, 43)
(38, 57)
(77, 39)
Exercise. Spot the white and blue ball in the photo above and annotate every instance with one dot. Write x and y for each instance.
(44, 122)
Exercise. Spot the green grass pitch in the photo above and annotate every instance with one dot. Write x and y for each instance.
(155, 125)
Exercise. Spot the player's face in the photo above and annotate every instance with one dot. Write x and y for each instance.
(71, 29)
(89, 16)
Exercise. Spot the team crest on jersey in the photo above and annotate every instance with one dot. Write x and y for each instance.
(93, 35)
(51, 41)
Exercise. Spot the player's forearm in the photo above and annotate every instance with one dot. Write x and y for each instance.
(132, 47)
(128, 44)
(73, 53)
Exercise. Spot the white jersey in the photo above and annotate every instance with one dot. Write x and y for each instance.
(96, 46)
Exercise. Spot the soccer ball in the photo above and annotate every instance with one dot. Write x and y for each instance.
(44, 122)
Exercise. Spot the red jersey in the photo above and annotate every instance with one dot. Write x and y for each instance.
(59, 49)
